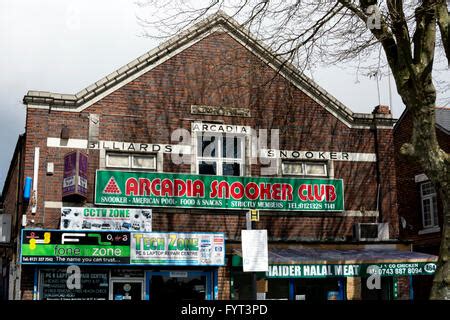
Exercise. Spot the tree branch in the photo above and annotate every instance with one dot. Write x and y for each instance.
(425, 35)
(443, 21)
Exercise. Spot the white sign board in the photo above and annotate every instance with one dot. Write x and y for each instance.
(255, 254)
(77, 218)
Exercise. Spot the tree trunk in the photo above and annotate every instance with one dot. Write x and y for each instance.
(425, 149)
(441, 281)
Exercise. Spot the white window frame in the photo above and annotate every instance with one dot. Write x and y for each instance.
(220, 160)
(433, 215)
(304, 164)
(130, 160)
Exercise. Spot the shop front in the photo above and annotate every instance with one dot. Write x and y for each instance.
(319, 274)
(114, 265)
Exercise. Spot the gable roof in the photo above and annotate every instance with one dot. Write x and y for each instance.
(216, 22)
(443, 119)
(442, 115)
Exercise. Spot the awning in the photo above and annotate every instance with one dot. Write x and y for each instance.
(311, 262)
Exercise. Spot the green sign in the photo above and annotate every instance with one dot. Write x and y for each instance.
(185, 249)
(120, 188)
(122, 248)
(350, 270)
(63, 247)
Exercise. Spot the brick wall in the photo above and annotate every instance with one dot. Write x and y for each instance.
(354, 288)
(403, 288)
(409, 194)
(224, 282)
(218, 71)
(12, 190)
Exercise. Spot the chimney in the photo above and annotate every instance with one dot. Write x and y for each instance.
(380, 109)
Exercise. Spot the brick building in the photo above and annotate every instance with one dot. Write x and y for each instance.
(173, 142)
(420, 207)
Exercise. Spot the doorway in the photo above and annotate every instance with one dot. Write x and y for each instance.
(179, 285)
(126, 289)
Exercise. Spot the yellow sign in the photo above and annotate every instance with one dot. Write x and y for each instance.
(254, 215)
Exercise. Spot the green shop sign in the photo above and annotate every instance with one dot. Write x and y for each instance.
(186, 249)
(58, 247)
(120, 188)
(66, 247)
(350, 270)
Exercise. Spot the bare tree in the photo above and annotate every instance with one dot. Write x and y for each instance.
(412, 34)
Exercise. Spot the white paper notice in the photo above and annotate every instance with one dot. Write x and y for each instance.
(255, 256)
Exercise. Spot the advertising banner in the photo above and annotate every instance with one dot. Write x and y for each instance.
(193, 249)
(69, 247)
(350, 270)
(75, 174)
(83, 218)
(121, 188)
(55, 247)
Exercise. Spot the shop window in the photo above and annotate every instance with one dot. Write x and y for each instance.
(429, 205)
(221, 155)
(53, 285)
(242, 286)
(384, 293)
(131, 161)
(300, 168)
(318, 290)
(278, 289)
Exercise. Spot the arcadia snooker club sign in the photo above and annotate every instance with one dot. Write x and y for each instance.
(351, 270)
(120, 188)
(57, 247)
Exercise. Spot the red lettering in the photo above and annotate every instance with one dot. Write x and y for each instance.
(319, 192)
(179, 187)
(264, 191)
(252, 195)
(331, 193)
(224, 187)
(166, 188)
(131, 187)
(189, 188)
(286, 192)
(198, 189)
(301, 192)
(237, 195)
(276, 191)
(155, 191)
(144, 187)
(310, 192)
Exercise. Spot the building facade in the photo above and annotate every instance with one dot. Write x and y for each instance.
(143, 181)
(420, 207)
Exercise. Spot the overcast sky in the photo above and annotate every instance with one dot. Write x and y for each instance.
(65, 45)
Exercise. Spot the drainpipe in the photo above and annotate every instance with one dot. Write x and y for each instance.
(380, 109)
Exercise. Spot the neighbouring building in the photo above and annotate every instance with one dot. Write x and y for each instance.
(143, 182)
(420, 207)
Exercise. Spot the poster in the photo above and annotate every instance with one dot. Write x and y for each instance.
(84, 218)
(185, 249)
(255, 253)
(155, 189)
(53, 285)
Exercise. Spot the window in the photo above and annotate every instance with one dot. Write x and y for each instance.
(131, 161)
(429, 205)
(298, 168)
(220, 155)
